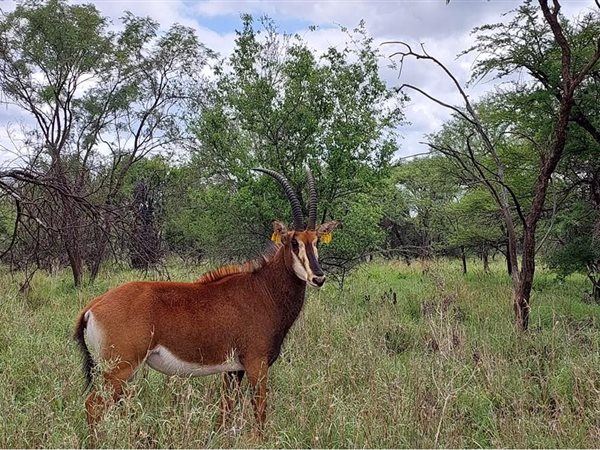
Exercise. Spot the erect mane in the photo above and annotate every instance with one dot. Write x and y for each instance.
(234, 269)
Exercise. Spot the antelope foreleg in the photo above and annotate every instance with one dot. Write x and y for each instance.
(257, 376)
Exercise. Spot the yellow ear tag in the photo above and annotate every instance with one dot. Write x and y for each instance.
(276, 237)
(326, 238)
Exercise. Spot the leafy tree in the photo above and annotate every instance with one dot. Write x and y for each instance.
(575, 60)
(474, 223)
(101, 101)
(362, 235)
(577, 244)
(427, 190)
(442, 213)
(575, 49)
(574, 241)
(282, 106)
(527, 45)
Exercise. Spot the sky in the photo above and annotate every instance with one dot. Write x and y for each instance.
(444, 30)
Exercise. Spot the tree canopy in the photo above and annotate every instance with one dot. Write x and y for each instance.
(141, 144)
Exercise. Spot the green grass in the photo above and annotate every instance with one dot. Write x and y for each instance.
(441, 367)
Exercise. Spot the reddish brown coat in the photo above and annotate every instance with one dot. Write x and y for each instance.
(244, 309)
(231, 320)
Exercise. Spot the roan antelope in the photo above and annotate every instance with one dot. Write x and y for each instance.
(232, 320)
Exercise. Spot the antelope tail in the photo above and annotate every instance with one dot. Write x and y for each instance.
(88, 362)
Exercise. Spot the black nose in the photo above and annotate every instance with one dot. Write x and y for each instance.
(318, 281)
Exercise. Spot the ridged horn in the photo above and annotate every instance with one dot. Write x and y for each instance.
(291, 195)
(312, 200)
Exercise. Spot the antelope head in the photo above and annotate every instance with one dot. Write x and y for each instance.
(300, 244)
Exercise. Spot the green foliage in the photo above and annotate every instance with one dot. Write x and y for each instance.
(44, 33)
(474, 220)
(54, 38)
(427, 191)
(361, 235)
(577, 247)
(282, 106)
(514, 122)
(101, 101)
(525, 43)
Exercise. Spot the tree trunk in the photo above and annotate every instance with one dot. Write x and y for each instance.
(522, 280)
(98, 259)
(76, 265)
(464, 259)
(594, 277)
(511, 248)
(70, 237)
(485, 258)
(525, 279)
(508, 264)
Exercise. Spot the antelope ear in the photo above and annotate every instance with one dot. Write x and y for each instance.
(325, 229)
(280, 232)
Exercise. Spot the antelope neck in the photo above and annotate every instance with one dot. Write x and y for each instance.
(284, 288)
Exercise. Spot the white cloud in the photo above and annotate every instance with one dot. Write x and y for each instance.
(13, 147)
(221, 43)
(164, 12)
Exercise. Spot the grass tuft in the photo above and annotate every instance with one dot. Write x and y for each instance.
(402, 357)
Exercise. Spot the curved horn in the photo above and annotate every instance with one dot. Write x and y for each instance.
(291, 195)
(312, 200)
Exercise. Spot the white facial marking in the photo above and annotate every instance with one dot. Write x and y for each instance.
(93, 332)
(162, 360)
(300, 265)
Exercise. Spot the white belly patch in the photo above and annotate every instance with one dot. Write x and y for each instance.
(161, 359)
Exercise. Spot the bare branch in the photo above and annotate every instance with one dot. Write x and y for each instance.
(15, 229)
(414, 155)
(551, 17)
(424, 55)
(439, 102)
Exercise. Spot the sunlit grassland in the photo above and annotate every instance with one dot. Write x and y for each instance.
(402, 357)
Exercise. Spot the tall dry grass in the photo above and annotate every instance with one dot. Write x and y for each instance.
(400, 358)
